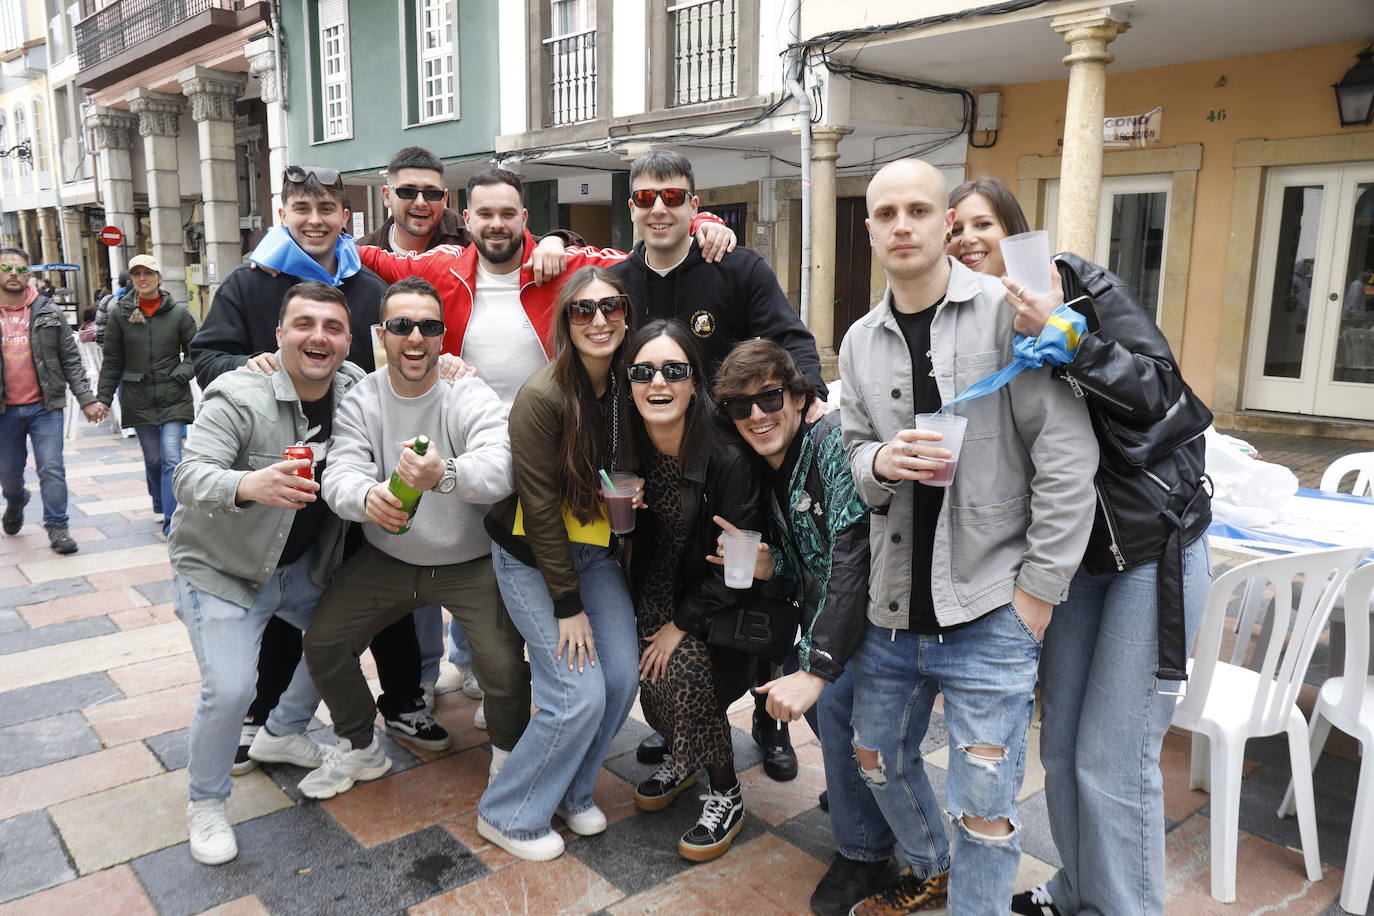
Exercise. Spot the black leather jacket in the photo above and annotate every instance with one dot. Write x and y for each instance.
(1152, 495)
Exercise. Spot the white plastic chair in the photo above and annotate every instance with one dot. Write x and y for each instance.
(1348, 704)
(1230, 704)
(1360, 462)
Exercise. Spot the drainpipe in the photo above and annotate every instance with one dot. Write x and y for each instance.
(796, 73)
(273, 10)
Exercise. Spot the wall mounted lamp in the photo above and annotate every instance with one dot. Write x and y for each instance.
(1355, 91)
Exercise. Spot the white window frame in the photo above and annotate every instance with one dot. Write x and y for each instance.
(42, 155)
(20, 119)
(335, 98)
(436, 61)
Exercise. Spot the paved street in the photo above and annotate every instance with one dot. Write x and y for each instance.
(97, 686)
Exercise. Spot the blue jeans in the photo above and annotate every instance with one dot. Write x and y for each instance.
(856, 821)
(226, 637)
(1101, 729)
(986, 671)
(459, 649)
(556, 761)
(429, 633)
(161, 454)
(18, 424)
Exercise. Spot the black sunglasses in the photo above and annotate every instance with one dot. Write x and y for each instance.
(401, 327)
(740, 408)
(582, 311)
(406, 192)
(672, 372)
(300, 174)
(672, 197)
(14, 268)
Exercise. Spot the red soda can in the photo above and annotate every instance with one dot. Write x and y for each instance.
(298, 452)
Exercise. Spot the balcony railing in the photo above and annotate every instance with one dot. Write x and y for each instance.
(705, 46)
(104, 33)
(572, 71)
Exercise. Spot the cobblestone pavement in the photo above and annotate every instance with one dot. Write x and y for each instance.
(97, 685)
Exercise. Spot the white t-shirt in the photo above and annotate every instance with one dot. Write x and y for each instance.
(500, 343)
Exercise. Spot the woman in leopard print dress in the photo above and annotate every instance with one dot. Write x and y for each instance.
(692, 475)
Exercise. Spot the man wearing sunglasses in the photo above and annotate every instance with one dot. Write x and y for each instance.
(444, 557)
(418, 216)
(41, 361)
(721, 304)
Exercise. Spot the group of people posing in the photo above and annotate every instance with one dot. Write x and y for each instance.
(1067, 551)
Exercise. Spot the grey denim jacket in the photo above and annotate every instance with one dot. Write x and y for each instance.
(245, 421)
(1021, 507)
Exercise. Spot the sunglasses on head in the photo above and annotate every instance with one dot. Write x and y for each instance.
(582, 311)
(644, 373)
(300, 174)
(14, 268)
(401, 327)
(406, 192)
(672, 197)
(740, 408)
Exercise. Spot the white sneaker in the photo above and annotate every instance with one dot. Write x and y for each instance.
(427, 692)
(549, 846)
(212, 839)
(587, 823)
(471, 688)
(295, 749)
(479, 718)
(343, 766)
(498, 760)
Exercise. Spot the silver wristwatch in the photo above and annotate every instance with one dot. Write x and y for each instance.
(449, 480)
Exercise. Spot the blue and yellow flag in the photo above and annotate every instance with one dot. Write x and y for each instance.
(1057, 345)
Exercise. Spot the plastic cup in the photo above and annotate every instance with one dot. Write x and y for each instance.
(741, 554)
(620, 498)
(378, 348)
(951, 427)
(1027, 258)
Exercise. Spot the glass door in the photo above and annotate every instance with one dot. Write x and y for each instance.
(1312, 326)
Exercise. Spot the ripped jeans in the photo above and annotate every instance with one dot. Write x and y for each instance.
(986, 671)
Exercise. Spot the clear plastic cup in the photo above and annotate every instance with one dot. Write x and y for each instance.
(741, 554)
(378, 347)
(620, 498)
(1027, 258)
(951, 428)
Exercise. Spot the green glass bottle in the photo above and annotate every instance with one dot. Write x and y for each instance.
(408, 495)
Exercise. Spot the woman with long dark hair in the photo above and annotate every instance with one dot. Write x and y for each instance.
(1122, 636)
(555, 563)
(694, 476)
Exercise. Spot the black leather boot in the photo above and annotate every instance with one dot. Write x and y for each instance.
(779, 760)
(652, 750)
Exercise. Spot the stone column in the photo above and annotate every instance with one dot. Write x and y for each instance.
(159, 123)
(28, 237)
(213, 94)
(112, 133)
(49, 240)
(1080, 179)
(74, 249)
(824, 151)
(262, 63)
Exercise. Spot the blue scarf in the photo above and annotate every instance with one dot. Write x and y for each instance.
(1056, 345)
(279, 251)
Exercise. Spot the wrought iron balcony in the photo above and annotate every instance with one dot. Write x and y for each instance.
(706, 40)
(113, 42)
(571, 66)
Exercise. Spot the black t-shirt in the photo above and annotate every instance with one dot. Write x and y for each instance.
(927, 500)
(305, 527)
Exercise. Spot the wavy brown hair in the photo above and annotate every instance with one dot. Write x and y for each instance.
(1005, 206)
(586, 443)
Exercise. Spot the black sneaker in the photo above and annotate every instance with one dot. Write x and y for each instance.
(418, 728)
(14, 515)
(652, 749)
(659, 790)
(61, 541)
(779, 760)
(722, 817)
(909, 895)
(1034, 902)
(848, 881)
(824, 800)
(242, 762)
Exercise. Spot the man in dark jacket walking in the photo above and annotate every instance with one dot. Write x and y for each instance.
(41, 361)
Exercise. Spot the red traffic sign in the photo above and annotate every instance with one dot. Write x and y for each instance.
(111, 236)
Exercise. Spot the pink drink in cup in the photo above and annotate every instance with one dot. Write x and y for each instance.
(951, 428)
(620, 498)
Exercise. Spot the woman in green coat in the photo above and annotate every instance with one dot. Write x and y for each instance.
(147, 353)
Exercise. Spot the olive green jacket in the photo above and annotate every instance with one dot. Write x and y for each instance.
(152, 358)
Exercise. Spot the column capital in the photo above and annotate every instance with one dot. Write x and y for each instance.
(111, 128)
(159, 113)
(212, 92)
(1089, 32)
(825, 141)
(261, 53)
